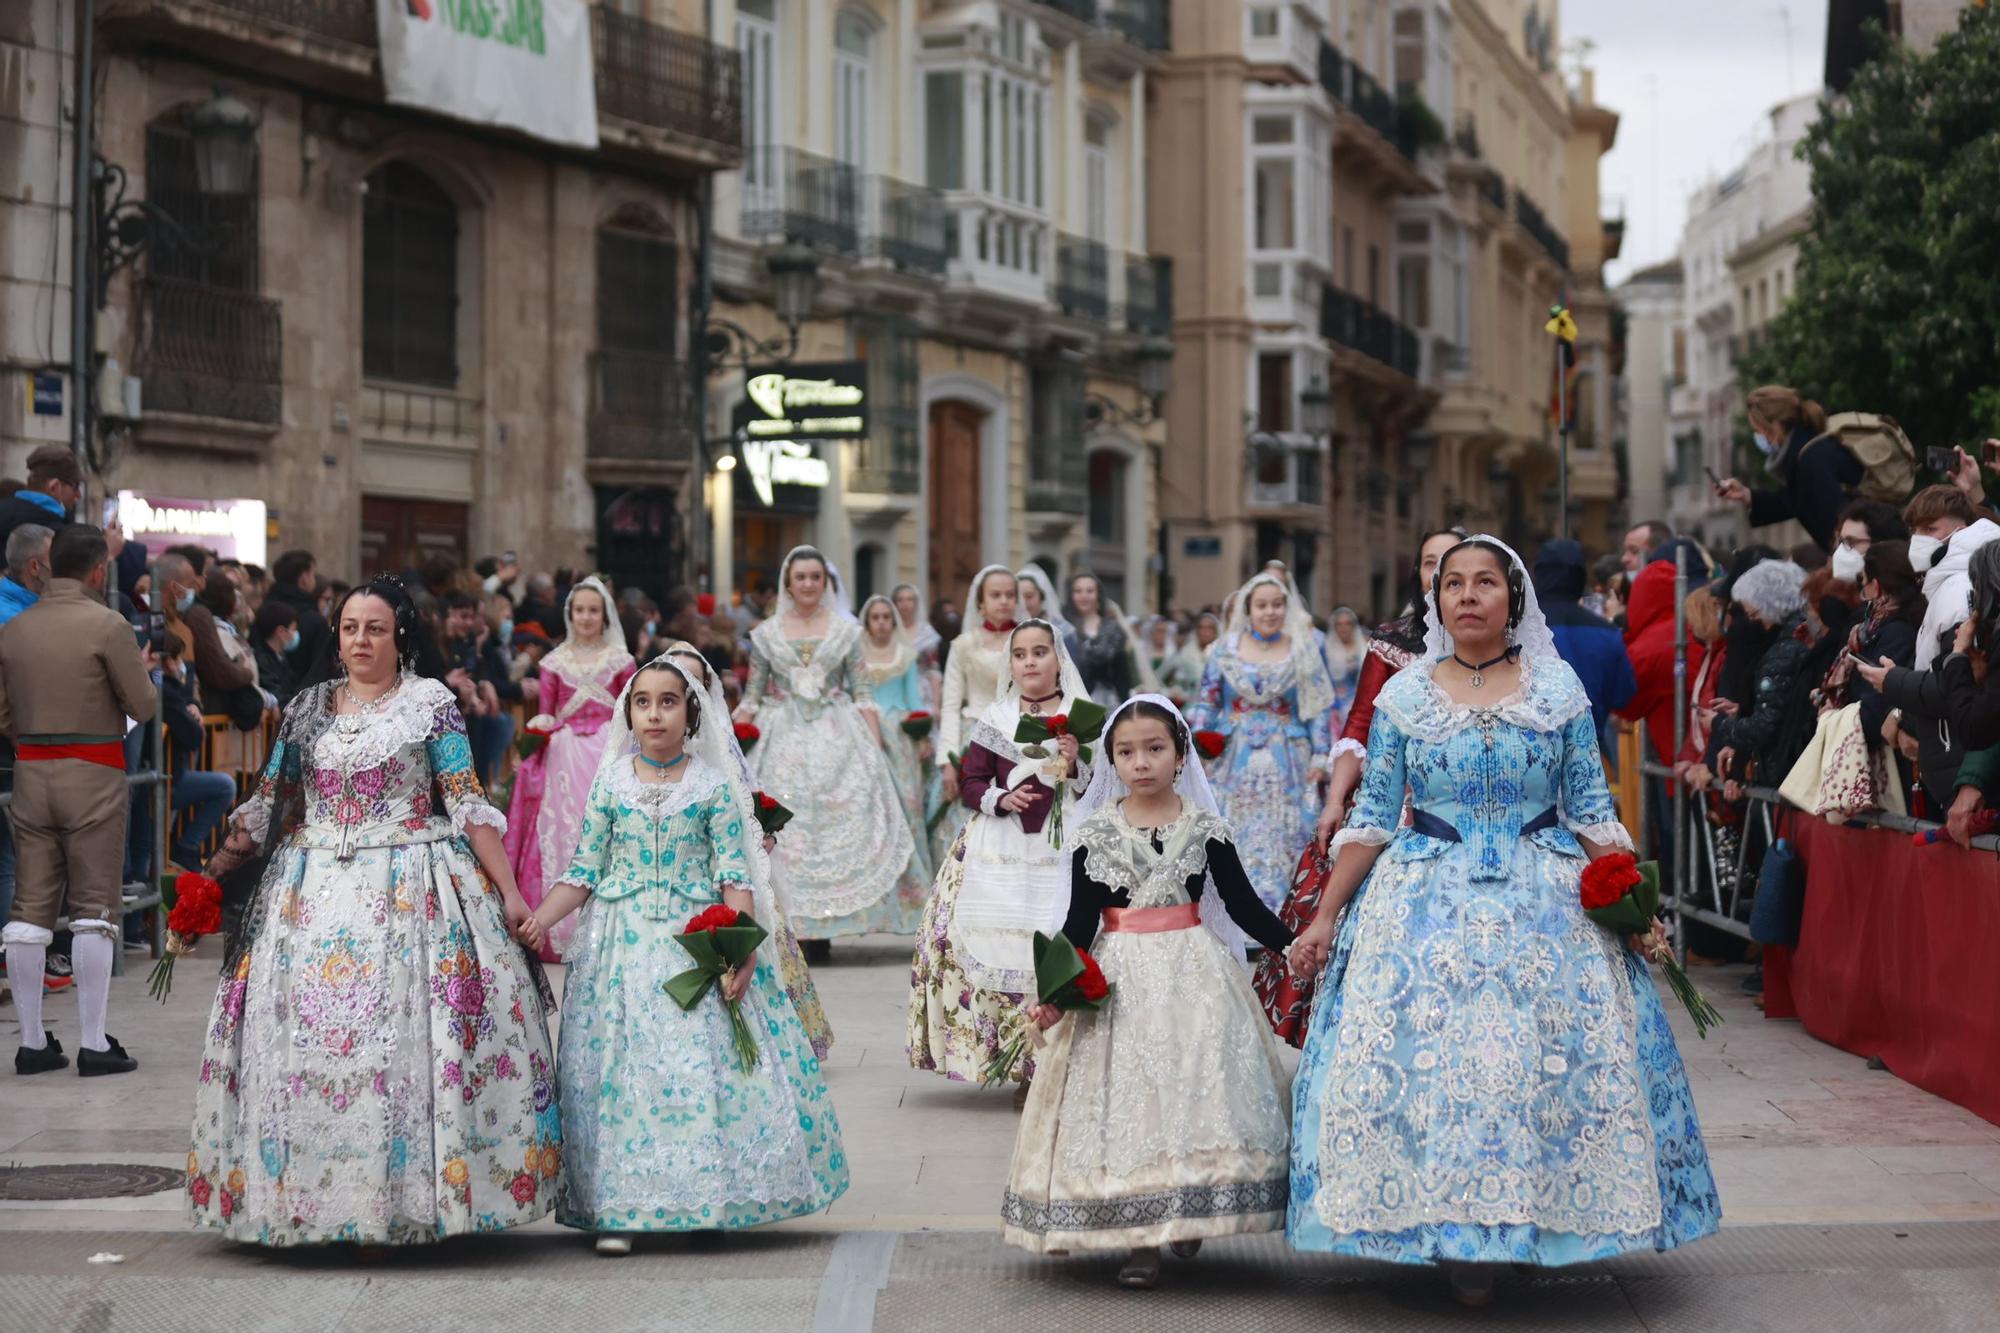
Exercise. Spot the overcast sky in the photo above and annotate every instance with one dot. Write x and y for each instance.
(1692, 81)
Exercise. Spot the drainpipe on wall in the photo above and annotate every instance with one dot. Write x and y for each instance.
(83, 246)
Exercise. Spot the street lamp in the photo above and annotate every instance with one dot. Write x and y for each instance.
(794, 272)
(224, 131)
(1155, 356)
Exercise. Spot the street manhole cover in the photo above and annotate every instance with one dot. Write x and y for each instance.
(86, 1180)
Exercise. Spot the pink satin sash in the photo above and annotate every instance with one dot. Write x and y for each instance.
(1148, 920)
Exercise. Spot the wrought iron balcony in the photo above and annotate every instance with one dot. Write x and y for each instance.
(907, 225)
(1144, 23)
(641, 408)
(890, 460)
(792, 195)
(1083, 277)
(1149, 294)
(1370, 330)
(1537, 226)
(211, 352)
(1353, 88)
(350, 21)
(654, 76)
(1067, 492)
(1493, 189)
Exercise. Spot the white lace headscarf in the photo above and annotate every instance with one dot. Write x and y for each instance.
(1107, 788)
(1344, 658)
(570, 657)
(714, 747)
(1532, 635)
(834, 599)
(970, 617)
(1315, 685)
(1068, 679)
(1051, 604)
(922, 636)
(905, 652)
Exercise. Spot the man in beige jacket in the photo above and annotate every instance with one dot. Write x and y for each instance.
(70, 675)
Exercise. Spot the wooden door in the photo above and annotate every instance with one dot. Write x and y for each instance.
(399, 535)
(954, 503)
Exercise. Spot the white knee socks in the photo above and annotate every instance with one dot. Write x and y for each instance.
(90, 954)
(25, 964)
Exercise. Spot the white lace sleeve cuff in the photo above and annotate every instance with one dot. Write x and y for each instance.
(468, 813)
(1364, 836)
(989, 801)
(254, 818)
(1610, 834)
(1347, 746)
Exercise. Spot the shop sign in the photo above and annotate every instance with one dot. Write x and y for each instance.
(819, 400)
(233, 529)
(783, 463)
(45, 393)
(1201, 548)
(522, 64)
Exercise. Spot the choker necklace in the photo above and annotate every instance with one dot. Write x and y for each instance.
(1004, 627)
(1036, 704)
(677, 760)
(1263, 639)
(1478, 678)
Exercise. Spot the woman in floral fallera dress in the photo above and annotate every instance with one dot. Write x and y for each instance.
(667, 1130)
(580, 682)
(377, 1067)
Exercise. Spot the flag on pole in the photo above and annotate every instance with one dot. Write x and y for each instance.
(1565, 373)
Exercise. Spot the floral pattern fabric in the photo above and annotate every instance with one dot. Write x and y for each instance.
(1260, 778)
(955, 1028)
(848, 855)
(666, 1130)
(377, 1066)
(1487, 1075)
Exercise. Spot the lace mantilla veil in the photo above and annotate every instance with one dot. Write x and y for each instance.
(714, 748)
(835, 597)
(1068, 678)
(1051, 605)
(567, 658)
(969, 617)
(1315, 684)
(1106, 789)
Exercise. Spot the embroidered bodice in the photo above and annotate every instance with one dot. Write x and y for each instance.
(814, 673)
(1122, 858)
(671, 846)
(1258, 701)
(1528, 765)
(582, 700)
(897, 684)
(373, 779)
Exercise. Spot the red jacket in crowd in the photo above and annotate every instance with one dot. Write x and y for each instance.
(1649, 639)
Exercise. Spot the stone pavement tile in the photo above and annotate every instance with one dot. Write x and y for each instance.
(1905, 1115)
(1977, 1160)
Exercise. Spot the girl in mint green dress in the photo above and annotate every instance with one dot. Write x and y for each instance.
(670, 1133)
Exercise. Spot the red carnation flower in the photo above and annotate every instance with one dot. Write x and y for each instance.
(1090, 982)
(747, 734)
(197, 906)
(1057, 723)
(1608, 879)
(1210, 743)
(920, 713)
(766, 802)
(719, 917)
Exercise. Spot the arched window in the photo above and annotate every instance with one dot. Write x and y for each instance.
(853, 91)
(225, 225)
(409, 278)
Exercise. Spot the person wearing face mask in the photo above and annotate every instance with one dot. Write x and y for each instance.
(276, 639)
(218, 675)
(1945, 531)
(1892, 609)
(1813, 483)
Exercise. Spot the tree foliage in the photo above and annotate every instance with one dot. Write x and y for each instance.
(1897, 300)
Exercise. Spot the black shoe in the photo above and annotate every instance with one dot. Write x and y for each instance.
(816, 951)
(91, 1063)
(1753, 984)
(42, 1061)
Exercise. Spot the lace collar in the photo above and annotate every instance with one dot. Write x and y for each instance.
(900, 657)
(1120, 856)
(358, 741)
(660, 799)
(1548, 696)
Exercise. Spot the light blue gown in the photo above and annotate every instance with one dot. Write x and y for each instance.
(1489, 1075)
(1273, 744)
(897, 695)
(670, 1133)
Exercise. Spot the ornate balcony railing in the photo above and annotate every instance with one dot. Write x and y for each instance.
(350, 21)
(1493, 189)
(1149, 294)
(906, 225)
(1370, 330)
(793, 195)
(1083, 277)
(212, 352)
(1537, 226)
(1357, 90)
(669, 80)
(641, 408)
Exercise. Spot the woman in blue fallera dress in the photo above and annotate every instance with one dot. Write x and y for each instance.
(1489, 1077)
(1265, 689)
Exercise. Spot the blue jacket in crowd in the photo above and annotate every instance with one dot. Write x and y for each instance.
(1592, 645)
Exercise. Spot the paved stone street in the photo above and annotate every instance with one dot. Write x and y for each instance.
(1852, 1201)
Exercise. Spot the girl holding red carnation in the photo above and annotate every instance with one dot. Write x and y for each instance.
(665, 1129)
(1159, 1118)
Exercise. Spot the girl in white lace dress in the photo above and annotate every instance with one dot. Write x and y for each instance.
(1160, 1118)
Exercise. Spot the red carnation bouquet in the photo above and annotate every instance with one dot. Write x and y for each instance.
(772, 814)
(531, 740)
(747, 736)
(720, 939)
(1210, 743)
(1085, 721)
(917, 726)
(1066, 977)
(194, 909)
(1623, 896)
